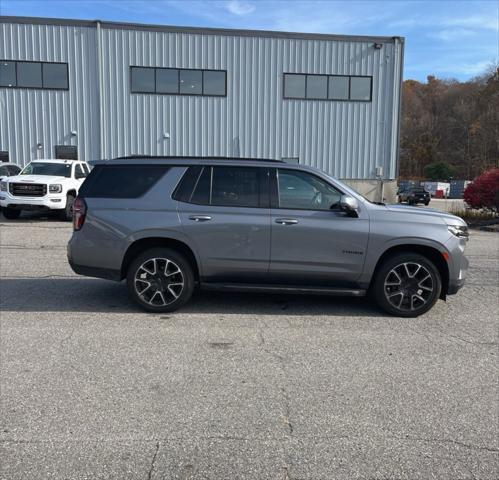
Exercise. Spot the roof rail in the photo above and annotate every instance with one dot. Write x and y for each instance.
(193, 157)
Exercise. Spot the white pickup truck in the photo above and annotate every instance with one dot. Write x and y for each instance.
(43, 185)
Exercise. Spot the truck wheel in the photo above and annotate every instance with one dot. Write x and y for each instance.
(11, 213)
(67, 213)
(407, 285)
(160, 280)
(399, 199)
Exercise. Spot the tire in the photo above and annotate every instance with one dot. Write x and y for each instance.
(11, 213)
(67, 213)
(399, 199)
(427, 203)
(150, 290)
(419, 292)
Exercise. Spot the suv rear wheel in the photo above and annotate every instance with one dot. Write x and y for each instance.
(160, 280)
(407, 285)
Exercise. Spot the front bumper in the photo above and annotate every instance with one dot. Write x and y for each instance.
(51, 201)
(458, 264)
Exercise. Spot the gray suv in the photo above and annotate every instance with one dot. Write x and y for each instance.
(167, 225)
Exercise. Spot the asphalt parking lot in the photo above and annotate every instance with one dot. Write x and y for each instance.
(239, 386)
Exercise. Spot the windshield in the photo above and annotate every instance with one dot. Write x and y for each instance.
(52, 169)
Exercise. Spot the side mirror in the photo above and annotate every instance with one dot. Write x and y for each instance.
(349, 205)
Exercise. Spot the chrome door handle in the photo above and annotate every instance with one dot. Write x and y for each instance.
(286, 221)
(199, 218)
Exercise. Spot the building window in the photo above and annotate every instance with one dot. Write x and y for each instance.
(360, 88)
(55, 75)
(339, 88)
(191, 82)
(317, 87)
(166, 80)
(45, 75)
(178, 81)
(66, 152)
(7, 74)
(143, 80)
(294, 86)
(327, 87)
(214, 82)
(29, 74)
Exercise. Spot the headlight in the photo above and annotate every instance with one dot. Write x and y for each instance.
(3, 186)
(460, 231)
(56, 188)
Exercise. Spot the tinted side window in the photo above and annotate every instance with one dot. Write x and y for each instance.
(185, 188)
(121, 181)
(235, 186)
(303, 191)
(4, 172)
(79, 173)
(202, 188)
(13, 170)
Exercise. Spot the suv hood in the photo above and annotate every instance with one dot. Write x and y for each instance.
(37, 179)
(447, 218)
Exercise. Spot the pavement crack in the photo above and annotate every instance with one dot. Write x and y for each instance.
(153, 462)
(449, 440)
(286, 416)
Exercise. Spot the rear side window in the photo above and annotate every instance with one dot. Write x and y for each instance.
(221, 186)
(121, 181)
(186, 186)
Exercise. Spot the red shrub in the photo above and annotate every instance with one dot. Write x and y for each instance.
(484, 191)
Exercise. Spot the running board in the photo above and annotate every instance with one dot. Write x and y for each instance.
(257, 288)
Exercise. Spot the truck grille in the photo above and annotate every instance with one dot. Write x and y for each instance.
(28, 189)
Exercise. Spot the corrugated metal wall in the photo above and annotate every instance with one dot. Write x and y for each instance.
(29, 116)
(347, 139)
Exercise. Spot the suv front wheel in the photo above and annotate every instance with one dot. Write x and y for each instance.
(407, 285)
(160, 280)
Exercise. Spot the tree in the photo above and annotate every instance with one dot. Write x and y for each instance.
(484, 191)
(439, 171)
(453, 122)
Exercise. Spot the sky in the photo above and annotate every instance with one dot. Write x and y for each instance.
(447, 38)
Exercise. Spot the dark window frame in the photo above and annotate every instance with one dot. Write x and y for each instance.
(327, 99)
(16, 62)
(178, 80)
(274, 190)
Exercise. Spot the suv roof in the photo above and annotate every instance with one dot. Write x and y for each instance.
(188, 160)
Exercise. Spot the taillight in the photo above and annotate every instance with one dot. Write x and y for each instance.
(79, 213)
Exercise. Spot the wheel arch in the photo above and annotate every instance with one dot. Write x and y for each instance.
(432, 253)
(142, 244)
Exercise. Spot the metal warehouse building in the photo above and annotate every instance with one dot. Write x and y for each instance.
(96, 89)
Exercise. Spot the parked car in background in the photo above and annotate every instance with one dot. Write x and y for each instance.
(167, 225)
(50, 185)
(414, 195)
(8, 170)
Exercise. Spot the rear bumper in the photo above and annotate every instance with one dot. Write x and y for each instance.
(105, 273)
